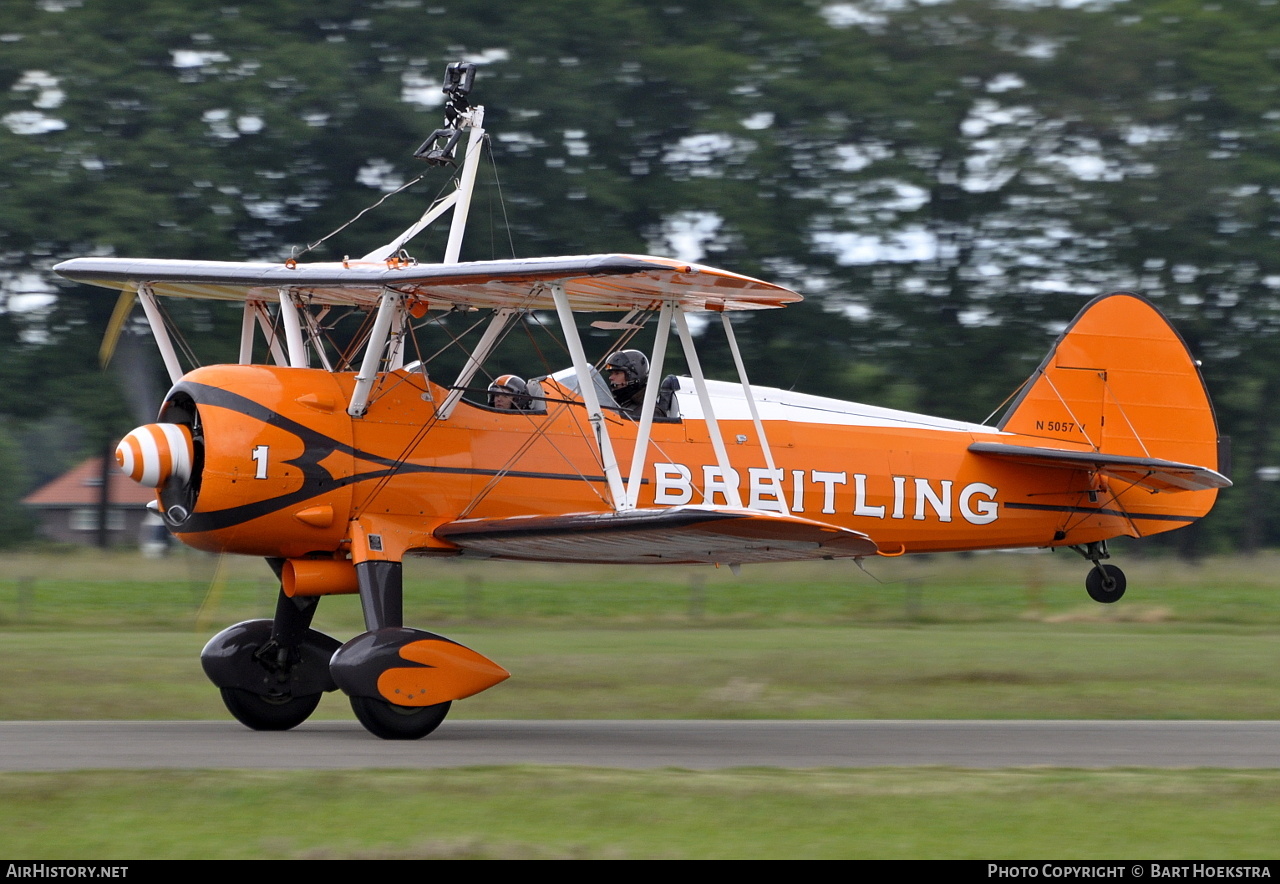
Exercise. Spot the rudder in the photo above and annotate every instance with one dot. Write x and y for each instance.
(1121, 380)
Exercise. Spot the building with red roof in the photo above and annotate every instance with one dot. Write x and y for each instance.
(68, 507)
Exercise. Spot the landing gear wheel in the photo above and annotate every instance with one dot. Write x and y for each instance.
(1105, 583)
(392, 722)
(268, 713)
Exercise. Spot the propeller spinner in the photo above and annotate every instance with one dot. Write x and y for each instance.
(152, 454)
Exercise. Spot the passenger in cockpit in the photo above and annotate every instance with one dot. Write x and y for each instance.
(509, 393)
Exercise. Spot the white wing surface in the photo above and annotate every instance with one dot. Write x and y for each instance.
(592, 282)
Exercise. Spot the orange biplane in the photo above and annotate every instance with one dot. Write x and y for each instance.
(336, 473)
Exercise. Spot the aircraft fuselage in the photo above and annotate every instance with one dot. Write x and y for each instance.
(285, 472)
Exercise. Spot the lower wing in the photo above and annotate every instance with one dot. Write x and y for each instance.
(681, 534)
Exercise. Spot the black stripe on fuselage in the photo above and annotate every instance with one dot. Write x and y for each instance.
(317, 480)
(1099, 511)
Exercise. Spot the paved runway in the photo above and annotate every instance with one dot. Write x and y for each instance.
(698, 745)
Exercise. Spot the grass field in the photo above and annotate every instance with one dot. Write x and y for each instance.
(995, 636)
(203, 593)
(574, 813)
(932, 671)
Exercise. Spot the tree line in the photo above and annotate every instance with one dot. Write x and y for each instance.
(946, 182)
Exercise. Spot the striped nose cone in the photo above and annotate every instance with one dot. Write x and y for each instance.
(152, 454)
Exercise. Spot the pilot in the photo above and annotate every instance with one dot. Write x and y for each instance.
(509, 393)
(627, 373)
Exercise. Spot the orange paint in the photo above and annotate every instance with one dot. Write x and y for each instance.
(447, 671)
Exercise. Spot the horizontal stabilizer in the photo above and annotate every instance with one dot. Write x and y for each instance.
(681, 534)
(1149, 472)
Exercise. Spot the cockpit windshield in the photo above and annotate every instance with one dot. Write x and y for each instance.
(568, 378)
(666, 409)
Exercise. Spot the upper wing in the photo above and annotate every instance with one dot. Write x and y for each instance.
(592, 282)
(1149, 472)
(681, 534)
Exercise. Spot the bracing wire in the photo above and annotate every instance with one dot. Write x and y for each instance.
(362, 213)
(502, 201)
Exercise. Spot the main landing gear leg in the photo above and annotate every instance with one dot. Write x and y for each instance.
(381, 594)
(382, 601)
(1105, 583)
(272, 673)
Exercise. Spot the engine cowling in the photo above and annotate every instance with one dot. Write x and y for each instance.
(250, 459)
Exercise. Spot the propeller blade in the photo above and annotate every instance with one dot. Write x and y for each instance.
(124, 306)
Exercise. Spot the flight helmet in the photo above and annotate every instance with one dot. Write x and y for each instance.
(632, 362)
(511, 386)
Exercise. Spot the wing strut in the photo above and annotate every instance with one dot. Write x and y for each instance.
(470, 163)
(395, 353)
(293, 330)
(713, 426)
(315, 334)
(247, 319)
(775, 474)
(268, 332)
(387, 307)
(459, 200)
(484, 347)
(390, 321)
(650, 404)
(437, 209)
(256, 313)
(587, 386)
(156, 320)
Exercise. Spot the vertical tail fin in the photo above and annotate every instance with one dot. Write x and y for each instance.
(1121, 380)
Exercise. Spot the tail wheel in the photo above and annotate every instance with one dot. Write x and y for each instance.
(269, 713)
(392, 722)
(1105, 583)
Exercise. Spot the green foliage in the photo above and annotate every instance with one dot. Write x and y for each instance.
(15, 524)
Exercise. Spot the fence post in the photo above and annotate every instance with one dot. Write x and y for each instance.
(474, 596)
(26, 596)
(697, 596)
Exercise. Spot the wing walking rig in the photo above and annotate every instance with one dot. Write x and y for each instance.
(336, 473)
